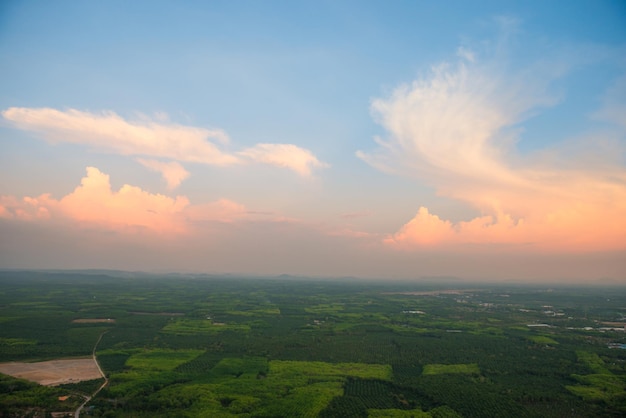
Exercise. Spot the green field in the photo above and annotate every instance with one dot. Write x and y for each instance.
(542, 339)
(200, 326)
(208, 346)
(159, 359)
(434, 369)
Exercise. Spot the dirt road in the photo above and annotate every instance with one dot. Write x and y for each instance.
(106, 381)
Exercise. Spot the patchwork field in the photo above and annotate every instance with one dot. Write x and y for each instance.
(262, 348)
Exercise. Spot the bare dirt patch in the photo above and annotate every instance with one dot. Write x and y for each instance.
(93, 320)
(53, 372)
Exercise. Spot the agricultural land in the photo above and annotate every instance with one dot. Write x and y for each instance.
(210, 346)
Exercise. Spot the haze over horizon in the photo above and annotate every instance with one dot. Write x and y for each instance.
(402, 140)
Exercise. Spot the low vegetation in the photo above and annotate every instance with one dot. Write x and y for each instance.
(225, 347)
(432, 369)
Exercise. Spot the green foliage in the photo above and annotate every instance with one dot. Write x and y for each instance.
(325, 308)
(201, 326)
(443, 412)
(599, 387)
(602, 386)
(377, 394)
(18, 395)
(344, 406)
(592, 361)
(470, 398)
(161, 359)
(542, 339)
(85, 387)
(302, 348)
(305, 401)
(397, 413)
(406, 374)
(309, 369)
(201, 364)
(237, 367)
(268, 310)
(433, 369)
(11, 342)
(112, 361)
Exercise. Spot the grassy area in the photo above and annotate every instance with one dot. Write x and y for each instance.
(247, 367)
(397, 413)
(159, 359)
(322, 370)
(269, 310)
(16, 341)
(593, 361)
(278, 388)
(542, 339)
(601, 385)
(434, 369)
(325, 308)
(185, 326)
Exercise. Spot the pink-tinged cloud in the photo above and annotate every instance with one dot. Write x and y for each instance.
(109, 132)
(172, 172)
(423, 229)
(573, 229)
(454, 130)
(28, 208)
(129, 209)
(289, 156)
(94, 201)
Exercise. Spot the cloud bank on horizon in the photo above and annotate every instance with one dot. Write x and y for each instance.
(493, 157)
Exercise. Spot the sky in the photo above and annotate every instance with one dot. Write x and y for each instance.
(391, 140)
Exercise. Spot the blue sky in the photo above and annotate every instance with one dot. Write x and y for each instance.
(527, 93)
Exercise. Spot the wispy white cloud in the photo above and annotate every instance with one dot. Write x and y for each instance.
(108, 132)
(289, 156)
(466, 54)
(158, 138)
(173, 173)
(455, 129)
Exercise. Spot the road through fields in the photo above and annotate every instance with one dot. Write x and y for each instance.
(106, 381)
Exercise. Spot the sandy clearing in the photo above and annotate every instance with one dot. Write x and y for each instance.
(53, 372)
